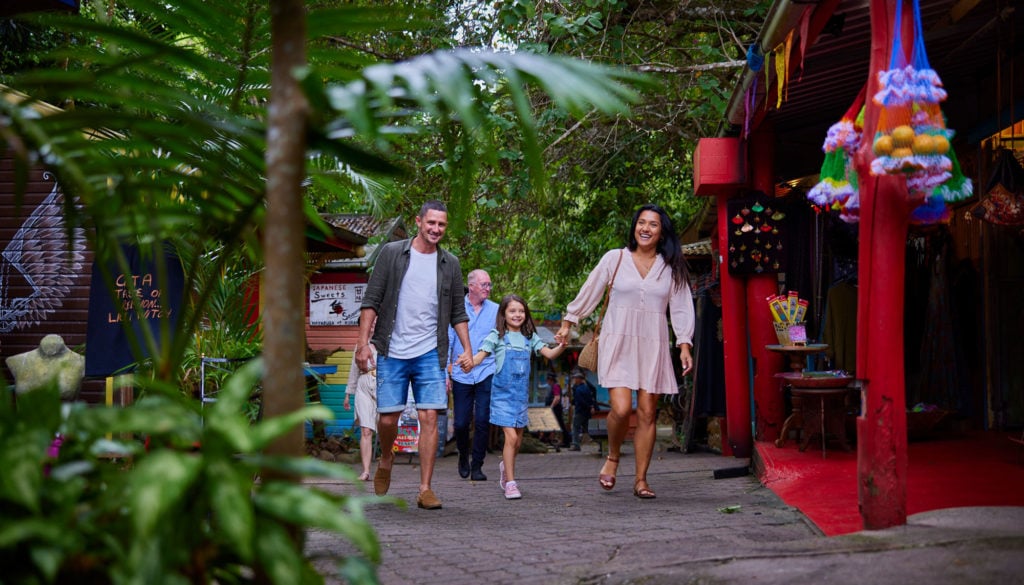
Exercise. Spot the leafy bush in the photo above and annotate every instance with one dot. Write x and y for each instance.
(157, 493)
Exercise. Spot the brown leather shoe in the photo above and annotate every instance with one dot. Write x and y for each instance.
(428, 501)
(381, 481)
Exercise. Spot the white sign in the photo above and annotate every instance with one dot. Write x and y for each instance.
(335, 304)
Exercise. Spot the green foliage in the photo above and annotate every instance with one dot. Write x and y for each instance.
(152, 493)
(162, 144)
(541, 244)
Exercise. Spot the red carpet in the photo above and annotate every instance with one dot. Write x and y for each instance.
(974, 469)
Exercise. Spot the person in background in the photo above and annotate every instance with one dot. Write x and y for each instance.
(583, 402)
(512, 342)
(554, 402)
(364, 386)
(471, 391)
(635, 351)
(411, 339)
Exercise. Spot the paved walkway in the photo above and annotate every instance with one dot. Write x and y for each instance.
(566, 530)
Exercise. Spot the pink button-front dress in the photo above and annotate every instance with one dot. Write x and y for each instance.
(634, 348)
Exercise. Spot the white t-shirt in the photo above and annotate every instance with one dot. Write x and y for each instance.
(415, 331)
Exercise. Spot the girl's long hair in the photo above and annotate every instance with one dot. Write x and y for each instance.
(527, 329)
(668, 246)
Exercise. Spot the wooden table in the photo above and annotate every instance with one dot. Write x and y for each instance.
(797, 354)
(817, 396)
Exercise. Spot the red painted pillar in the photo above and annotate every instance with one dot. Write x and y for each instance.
(769, 408)
(737, 436)
(885, 211)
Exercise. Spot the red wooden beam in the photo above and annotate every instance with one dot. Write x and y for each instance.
(769, 408)
(884, 217)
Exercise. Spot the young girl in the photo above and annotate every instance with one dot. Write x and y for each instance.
(512, 342)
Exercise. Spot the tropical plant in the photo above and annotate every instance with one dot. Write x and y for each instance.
(161, 493)
(188, 130)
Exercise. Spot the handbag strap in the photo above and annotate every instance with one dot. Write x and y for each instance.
(608, 293)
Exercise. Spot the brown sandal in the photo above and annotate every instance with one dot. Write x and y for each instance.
(608, 481)
(644, 493)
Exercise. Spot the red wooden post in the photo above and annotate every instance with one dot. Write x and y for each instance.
(769, 407)
(737, 437)
(884, 214)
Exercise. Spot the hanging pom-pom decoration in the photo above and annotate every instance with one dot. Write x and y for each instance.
(958, 187)
(837, 179)
(911, 137)
(932, 211)
(849, 211)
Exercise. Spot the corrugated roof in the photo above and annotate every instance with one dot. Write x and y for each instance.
(963, 41)
(390, 229)
(365, 225)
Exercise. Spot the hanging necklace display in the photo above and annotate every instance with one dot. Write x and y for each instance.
(757, 234)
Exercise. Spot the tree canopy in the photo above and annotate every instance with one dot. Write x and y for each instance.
(542, 244)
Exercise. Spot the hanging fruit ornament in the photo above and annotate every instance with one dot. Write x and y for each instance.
(757, 207)
(911, 128)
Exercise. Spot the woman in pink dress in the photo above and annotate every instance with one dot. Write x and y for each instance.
(635, 350)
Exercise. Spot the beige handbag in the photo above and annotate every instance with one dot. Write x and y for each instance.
(588, 355)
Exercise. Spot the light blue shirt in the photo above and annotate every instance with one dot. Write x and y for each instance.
(496, 346)
(480, 324)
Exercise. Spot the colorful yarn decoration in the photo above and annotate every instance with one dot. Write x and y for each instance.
(911, 136)
(958, 187)
(932, 211)
(849, 211)
(838, 179)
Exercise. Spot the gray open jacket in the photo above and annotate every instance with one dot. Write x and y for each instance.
(385, 281)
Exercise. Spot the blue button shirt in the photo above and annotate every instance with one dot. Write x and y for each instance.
(480, 324)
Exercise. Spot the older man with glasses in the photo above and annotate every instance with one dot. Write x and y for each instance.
(472, 391)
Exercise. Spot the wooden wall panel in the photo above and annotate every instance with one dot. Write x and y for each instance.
(44, 275)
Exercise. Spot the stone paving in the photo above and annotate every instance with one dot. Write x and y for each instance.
(566, 529)
(699, 531)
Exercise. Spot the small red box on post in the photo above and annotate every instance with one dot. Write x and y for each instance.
(718, 164)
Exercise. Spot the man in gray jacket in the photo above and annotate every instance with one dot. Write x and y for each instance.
(411, 337)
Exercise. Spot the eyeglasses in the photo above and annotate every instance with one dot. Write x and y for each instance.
(486, 285)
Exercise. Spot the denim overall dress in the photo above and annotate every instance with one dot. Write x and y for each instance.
(510, 388)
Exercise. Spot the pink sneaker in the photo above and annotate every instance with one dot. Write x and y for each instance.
(501, 474)
(512, 491)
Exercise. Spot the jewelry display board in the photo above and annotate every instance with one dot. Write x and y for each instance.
(757, 236)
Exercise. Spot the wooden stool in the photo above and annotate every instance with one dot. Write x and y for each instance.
(827, 405)
(803, 387)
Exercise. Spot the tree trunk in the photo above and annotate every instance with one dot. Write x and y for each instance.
(283, 234)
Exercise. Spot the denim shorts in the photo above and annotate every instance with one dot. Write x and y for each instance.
(425, 375)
